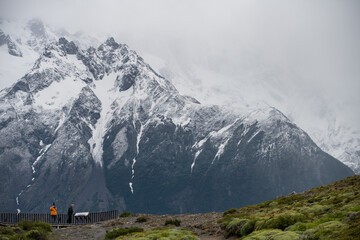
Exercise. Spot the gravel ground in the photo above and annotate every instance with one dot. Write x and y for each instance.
(205, 226)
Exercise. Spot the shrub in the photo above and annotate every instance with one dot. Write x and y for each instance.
(36, 235)
(26, 230)
(325, 230)
(230, 211)
(338, 215)
(240, 227)
(229, 217)
(283, 221)
(6, 231)
(175, 222)
(126, 214)
(121, 232)
(141, 219)
(248, 228)
(26, 225)
(170, 234)
(301, 227)
(33, 225)
(234, 227)
(272, 234)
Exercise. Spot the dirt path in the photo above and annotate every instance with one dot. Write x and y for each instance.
(205, 226)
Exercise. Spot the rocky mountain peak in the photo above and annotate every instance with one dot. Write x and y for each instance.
(68, 47)
(112, 43)
(99, 127)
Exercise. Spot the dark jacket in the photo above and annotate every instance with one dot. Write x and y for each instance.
(70, 211)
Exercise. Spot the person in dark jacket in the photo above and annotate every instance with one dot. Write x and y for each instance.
(70, 213)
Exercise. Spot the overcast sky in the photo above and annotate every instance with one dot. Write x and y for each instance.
(316, 41)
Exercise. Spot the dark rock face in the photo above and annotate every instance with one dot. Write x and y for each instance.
(90, 61)
(111, 42)
(2, 38)
(163, 182)
(12, 48)
(103, 130)
(68, 47)
(128, 79)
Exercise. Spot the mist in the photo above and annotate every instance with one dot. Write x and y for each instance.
(315, 44)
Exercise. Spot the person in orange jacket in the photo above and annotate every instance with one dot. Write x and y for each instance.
(53, 213)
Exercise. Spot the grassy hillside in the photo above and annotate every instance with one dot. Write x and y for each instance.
(326, 212)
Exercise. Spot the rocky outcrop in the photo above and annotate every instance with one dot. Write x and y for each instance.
(12, 47)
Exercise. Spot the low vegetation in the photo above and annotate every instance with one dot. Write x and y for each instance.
(175, 222)
(26, 230)
(113, 234)
(126, 214)
(141, 219)
(326, 212)
(169, 234)
(230, 211)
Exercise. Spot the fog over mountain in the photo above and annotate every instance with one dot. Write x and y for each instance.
(175, 106)
(301, 57)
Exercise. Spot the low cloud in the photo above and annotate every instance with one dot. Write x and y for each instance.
(314, 43)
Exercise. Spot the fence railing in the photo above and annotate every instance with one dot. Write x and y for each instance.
(61, 219)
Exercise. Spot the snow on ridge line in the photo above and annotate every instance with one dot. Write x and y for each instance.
(42, 152)
(61, 121)
(193, 163)
(138, 139)
(131, 187)
(18, 202)
(220, 151)
(106, 93)
(254, 135)
(213, 134)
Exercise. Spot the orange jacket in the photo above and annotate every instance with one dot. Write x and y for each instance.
(53, 210)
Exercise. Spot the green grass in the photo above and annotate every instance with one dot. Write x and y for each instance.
(26, 230)
(230, 211)
(163, 234)
(326, 212)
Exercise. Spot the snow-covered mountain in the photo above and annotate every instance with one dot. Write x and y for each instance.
(22, 41)
(262, 84)
(101, 128)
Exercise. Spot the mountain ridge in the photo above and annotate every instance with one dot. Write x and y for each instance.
(333, 135)
(102, 129)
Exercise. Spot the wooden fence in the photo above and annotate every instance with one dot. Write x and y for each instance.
(62, 219)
